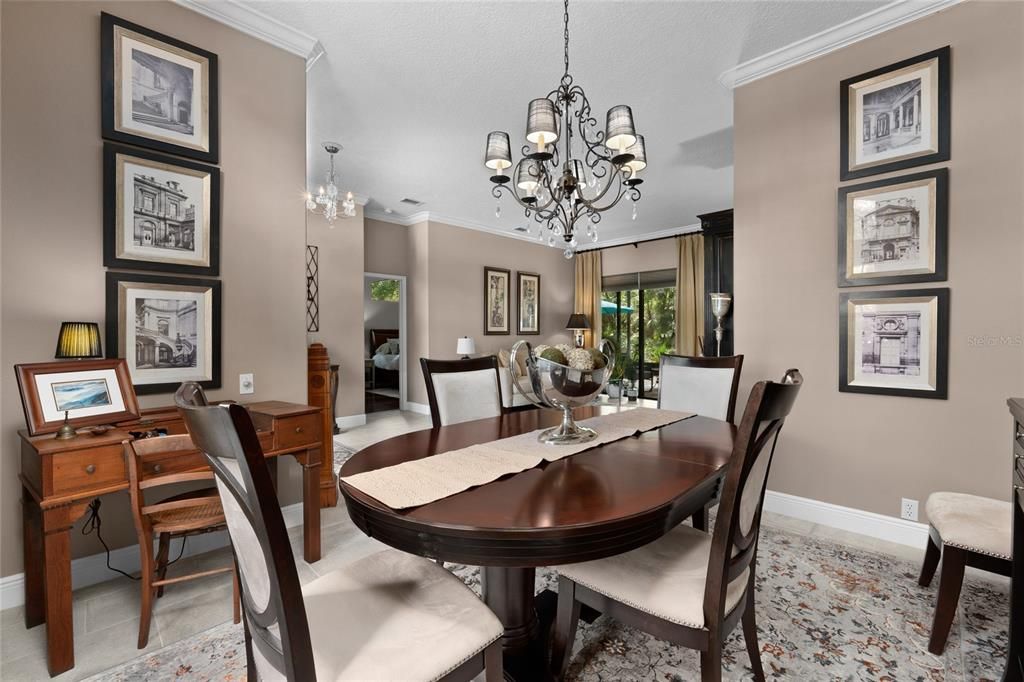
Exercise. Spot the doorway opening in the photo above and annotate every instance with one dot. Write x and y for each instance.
(384, 311)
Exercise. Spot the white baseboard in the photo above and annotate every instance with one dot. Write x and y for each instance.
(873, 525)
(351, 421)
(91, 570)
(418, 408)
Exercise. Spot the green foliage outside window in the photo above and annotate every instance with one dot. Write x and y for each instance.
(384, 290)
(659, 326)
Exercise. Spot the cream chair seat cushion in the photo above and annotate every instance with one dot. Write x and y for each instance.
(394, 616)
(977, 524)
(465, 396)
(704, 390)
(665, 578)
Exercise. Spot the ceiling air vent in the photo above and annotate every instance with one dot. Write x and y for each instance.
(411, 202)
(520, 229)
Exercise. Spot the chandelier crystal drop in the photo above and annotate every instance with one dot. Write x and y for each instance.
(570, 169)
(326, 201)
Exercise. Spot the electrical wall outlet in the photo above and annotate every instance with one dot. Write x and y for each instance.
(246, 385)
(908, 509)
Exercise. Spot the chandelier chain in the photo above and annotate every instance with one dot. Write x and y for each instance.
(565, 19)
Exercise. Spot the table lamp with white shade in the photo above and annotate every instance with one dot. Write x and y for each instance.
(465, 347)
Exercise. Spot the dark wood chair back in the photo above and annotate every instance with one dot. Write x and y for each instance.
(432, 367)
(271, 592)
(734, 544)
(726, 362)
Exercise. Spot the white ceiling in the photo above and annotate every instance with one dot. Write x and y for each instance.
(411, 90)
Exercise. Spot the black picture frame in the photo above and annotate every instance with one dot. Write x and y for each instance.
(943, 109)
(941, 232)
(520, 276)
(110, 212)
(941, 383)
(114, 324)
(507, 329)
(208, 152)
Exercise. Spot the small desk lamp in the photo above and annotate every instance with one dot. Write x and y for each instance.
(465, 346)
(578, 322)
(76, 341)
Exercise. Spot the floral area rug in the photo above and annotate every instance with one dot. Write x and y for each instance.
(825, 612)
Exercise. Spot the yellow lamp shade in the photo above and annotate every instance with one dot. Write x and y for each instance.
(78, 340)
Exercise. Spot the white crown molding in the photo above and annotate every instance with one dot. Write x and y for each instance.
(640, 239)
(865, 26)
(252, 22)
(423, 216)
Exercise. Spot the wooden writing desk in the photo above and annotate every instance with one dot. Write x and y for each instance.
(61, 477)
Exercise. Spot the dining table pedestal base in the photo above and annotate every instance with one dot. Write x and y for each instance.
(509, 593)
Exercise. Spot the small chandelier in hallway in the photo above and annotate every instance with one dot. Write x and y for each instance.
(326, 201)
(567, 191)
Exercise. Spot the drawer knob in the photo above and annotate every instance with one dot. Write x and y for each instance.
(157, 468)
(298, 429)
(90, 469)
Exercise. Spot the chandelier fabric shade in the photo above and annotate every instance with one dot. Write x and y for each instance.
(528, 176)
(499, 151)
(542, 122)
(639, 160)
(619, 131)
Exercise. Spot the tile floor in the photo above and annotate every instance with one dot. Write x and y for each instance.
(107, 615)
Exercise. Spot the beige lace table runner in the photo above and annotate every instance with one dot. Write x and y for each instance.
(420, 481)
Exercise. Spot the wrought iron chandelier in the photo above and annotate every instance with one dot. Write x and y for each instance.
(326, 201)
(594, 170)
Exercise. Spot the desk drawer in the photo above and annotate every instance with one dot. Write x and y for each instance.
(91, 468)
(173, 463)
(298, 431)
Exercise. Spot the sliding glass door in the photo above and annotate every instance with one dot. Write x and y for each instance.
(638, 313)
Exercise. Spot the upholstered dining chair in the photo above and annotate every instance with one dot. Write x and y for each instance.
(964, 530)
(704, 385)
(462, 390)
(689, 587)
(178, 516)
(388, 616)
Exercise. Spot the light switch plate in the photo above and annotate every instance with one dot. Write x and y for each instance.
(246, 385)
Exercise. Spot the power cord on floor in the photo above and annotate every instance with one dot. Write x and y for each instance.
(93, 524)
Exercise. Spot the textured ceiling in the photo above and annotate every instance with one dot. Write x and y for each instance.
(411, 90)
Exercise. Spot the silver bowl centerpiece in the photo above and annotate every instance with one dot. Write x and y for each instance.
(562, 386)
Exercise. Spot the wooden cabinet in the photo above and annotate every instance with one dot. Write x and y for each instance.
(1015, 660)
(717, 229)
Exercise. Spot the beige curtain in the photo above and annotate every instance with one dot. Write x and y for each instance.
(588, 293)
(689, 293)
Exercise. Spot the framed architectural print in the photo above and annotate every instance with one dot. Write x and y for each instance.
(894, 231)
(894, 342)
(895, 117)
(528, 291)
(90, 392)
(166, 328)
(160, 213)
(497, 309)
(157, 91)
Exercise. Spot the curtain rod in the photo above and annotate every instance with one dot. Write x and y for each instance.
(636, 244)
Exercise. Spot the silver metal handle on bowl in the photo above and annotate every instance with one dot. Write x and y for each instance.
(513, 363)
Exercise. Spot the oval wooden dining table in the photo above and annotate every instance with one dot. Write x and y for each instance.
(594, 504)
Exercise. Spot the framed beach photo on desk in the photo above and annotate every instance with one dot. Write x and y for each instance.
(90, 392)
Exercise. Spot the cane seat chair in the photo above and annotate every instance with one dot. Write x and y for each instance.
(178, 516)
(388, 616)
(689, 587)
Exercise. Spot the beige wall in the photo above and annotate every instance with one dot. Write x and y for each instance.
(341, 303)
(867, 451)
(444, 265)
(52, 266)
(644, 257)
